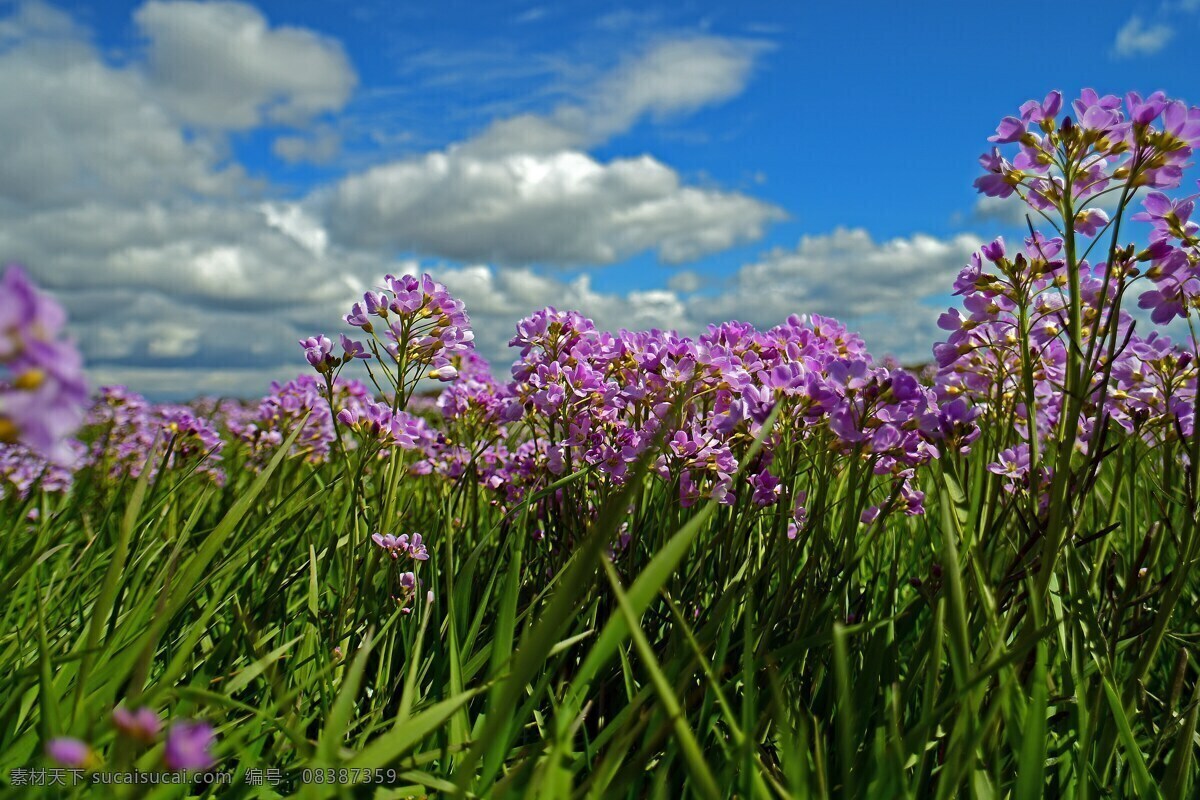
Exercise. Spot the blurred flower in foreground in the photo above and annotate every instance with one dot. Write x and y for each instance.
(42, 390)
(143, 724)
(189, 746)
(70, 752)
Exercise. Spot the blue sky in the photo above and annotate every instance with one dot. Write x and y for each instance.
(202, 183)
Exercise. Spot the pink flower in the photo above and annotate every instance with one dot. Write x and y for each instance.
(189, 746)
(143, 724)
(70, 752)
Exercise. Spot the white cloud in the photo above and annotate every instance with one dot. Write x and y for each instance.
(76, 129)
(524, 192)
(185, 383)
(890, 291)
(220, 65)
(293, 220)
(320, 147)
(1136, 38)
(37, 19)
(497, 298)
(1009, 211)
(181, 274)
(684, 281)
(672, 77)
(562, 208)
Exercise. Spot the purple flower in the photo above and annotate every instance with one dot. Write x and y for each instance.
(1095, 112)
(425, 328)
(42, 390)
(994, 251)
(143, 724)
(1002, 178)
(394, 546)
(1012, 463)
(318, 350)
(416, 548)
(189, 746)
(70, 752)
(1144, 112)
(1033, 111)
(136, 436)
(1170, 218)
(1090, 220)
(1182, 122)
(1009, 130)
(351, 349)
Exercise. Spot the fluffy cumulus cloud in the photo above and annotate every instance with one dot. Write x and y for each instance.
(562, 208)
(524, 192)
(120, 190)
(206, 287)
(497, 298)
(144, 228)
(320, 147)
(668, 78)
(221, 65)
(1139, 38)
(890, 291)
(78, 130)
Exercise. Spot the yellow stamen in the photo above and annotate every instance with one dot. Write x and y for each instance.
(30, 380)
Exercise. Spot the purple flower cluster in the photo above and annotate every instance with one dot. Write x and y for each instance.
(415, 322)
(1174, 257)
(1036, 322)
(1111, 147)
(264, 428)
(578, 399)
(188, 744)
(142, 724)
(378, 423)
(411, 548)
(131, 435)
(1016, 314)
(318, 351)
(22, 469)
(42, 389)
(475, 396)
(1108, 142)
(402, 545)
(591, 399)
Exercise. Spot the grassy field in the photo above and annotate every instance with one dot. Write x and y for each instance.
(745, 564)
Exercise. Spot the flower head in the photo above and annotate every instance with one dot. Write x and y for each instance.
(70, 752)
(42, 390)
(189, 746)
(143, 724)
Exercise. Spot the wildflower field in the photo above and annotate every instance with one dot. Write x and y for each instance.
(750, 563)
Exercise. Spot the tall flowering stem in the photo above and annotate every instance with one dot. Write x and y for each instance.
(1112, 147)
(416, 327)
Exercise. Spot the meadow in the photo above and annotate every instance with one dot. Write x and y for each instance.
(749, 563)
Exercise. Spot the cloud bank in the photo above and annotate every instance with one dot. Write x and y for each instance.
(184, 272)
